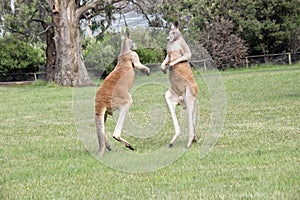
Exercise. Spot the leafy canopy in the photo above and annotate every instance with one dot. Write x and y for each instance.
(17, 56)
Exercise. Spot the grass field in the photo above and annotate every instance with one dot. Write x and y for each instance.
(256, 156)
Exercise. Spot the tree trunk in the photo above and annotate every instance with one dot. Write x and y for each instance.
(70, 69)
(50, 53)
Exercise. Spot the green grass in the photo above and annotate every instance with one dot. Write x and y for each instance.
(256, 157)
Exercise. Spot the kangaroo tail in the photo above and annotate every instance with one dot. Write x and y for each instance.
(99, 120)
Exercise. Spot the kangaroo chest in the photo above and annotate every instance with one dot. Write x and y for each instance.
(174, 51)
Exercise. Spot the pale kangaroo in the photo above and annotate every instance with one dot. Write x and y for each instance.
(113, 93)
(184, 89)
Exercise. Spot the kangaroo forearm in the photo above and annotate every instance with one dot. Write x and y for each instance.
(183, 58)
(140, 66)
(165, 61)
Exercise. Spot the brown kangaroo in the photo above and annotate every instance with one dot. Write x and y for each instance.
(113, 93)
(184, 89)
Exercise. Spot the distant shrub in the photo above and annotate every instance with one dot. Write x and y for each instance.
(19, 57)
(151, 55)
(101, 55)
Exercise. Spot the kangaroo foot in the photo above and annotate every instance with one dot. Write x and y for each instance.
(100, 152)
(194, 140)
(117, 138)
(129, 146)
(125, 142)
(108, 147)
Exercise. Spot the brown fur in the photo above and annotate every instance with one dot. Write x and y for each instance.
(184, 89)
(114, 90)
(181, 76)
(113, 94)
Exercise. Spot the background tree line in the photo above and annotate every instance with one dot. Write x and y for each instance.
(230, 30)
(227, 30)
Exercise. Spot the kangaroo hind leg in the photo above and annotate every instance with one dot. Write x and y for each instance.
(172, 100)
(191, 111)
(106, 143)
(117, 133)
(100, 127)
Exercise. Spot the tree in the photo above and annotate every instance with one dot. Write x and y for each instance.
(101, 55)
(266, 25)
(216, 34)
(227, 49)
(66, 16)
(61, 23)
(15, 19)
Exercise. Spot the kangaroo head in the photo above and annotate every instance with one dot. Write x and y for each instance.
(131, 44)
(174, 34)
(127, 44)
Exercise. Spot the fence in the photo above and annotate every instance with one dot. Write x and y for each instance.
(6, 78)
(276, 59)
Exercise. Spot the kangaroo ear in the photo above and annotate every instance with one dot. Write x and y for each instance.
(172, 25)
(176, 25)
(127, 33)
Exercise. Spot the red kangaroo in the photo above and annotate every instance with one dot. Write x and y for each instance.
(184, 89)
(113, 93)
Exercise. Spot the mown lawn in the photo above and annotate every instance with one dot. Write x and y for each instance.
(256, 156)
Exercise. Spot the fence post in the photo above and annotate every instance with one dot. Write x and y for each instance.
(247, 62)
(290, 58)
(204, 65)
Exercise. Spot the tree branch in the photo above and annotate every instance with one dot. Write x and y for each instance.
(44, 31)
(87, 6)
(45, 25)
(142, 10)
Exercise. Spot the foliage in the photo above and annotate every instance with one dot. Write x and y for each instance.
(266, 26)
(21, 21)
(151, 56)
(18, 56)
(102, 54)
(257, 156)
(99, 55)
(227, 49)
(64, 64)
(216, 34)
(150, 44)
(180, 11)
(151, 38)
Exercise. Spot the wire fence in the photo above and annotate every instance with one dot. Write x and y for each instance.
(255, 60)
(26, 77)
(273, 59)
(206, 64)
